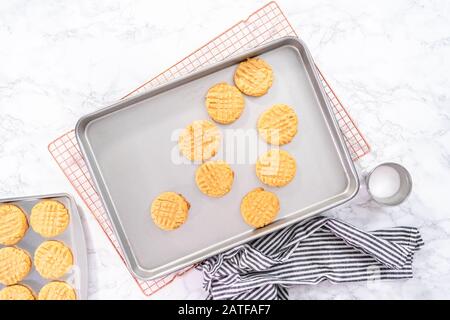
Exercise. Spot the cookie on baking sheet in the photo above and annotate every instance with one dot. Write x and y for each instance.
(253, 77)
(259, 207)
(214, 178)
(57, 290)
(276, 168)
(200, 140)
(49, 218)
(278, 124)
(17, 292)
(169, 210)
(224, 103)
(15, 264)
(53, 259)
(13, 224)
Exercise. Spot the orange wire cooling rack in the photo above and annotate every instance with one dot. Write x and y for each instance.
(268, 23)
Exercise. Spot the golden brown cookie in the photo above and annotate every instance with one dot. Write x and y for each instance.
(15, 264)
(53, 259)
(259, 207)
(224, 103)
(17, 292)
(200, 140)
(49, 218)
(214, 178)
(57, 290)
(253, 77)
(169, 210)
(13, 224)
(278, 124)
(276, 168)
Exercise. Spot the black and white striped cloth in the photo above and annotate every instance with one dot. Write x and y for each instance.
(309, 252)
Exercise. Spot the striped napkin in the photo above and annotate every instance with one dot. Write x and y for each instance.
(309, 252)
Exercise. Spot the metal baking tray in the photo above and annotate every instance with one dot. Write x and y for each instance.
(73, 237)
(130, 146)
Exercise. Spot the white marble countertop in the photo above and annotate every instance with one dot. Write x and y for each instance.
(388, 61)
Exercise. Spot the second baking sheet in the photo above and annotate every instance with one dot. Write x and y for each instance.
(72, 237)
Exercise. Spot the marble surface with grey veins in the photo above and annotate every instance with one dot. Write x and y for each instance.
(387, 60)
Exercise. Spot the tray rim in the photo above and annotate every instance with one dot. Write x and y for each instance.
(350, 192)
(81, 237)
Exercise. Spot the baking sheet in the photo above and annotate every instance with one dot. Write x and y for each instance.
(73, 237)
(129, 150)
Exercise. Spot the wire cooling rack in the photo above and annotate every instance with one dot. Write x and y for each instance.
(267, 23)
